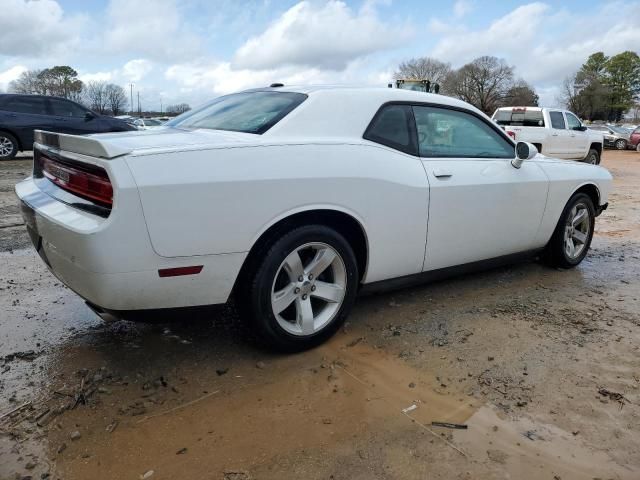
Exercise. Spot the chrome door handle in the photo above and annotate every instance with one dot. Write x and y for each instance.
(441, 173)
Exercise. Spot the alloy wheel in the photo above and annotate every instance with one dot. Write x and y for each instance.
(577, 230)
(309, 289)
(621, 144)
(6, 147)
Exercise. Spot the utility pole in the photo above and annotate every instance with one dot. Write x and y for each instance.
(139, 111)
(131, 88)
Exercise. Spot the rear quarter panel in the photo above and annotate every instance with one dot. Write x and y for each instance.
(221, 200)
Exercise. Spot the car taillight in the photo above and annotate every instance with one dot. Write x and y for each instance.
(92, 185)
(511, 134)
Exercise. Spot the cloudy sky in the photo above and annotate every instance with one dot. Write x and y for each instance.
(193, 50)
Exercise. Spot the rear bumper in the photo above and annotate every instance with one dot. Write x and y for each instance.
(112, 265)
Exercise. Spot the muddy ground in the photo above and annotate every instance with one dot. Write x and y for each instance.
(541, 365)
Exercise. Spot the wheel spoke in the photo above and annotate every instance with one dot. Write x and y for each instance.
(283, 298)
(323, 258)
(570, 247)
(293, 266)
(579, 217)
(305, 315)
(329, 292)
(579, 236)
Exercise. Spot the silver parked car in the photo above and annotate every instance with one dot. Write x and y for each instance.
(614, 137)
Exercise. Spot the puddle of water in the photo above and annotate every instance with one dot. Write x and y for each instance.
(527, 449)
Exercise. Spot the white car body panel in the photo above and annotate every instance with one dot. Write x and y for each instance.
(462, 207)
(205, 197)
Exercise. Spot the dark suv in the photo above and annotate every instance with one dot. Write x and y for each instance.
(20, 115)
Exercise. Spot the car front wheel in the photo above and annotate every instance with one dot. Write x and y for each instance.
(301, 289)
(593, 157)
(572, 237)
(8, 146)
(621, 144)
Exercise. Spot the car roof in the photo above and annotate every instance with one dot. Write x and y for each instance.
(382, 94)
(346, 110)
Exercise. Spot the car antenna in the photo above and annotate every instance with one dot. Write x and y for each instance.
(276, 85)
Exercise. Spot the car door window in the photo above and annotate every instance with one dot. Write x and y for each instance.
(392, 126)
(451, 133)
(557, 120)
(25, 104)
(63, 108)
(572, 121)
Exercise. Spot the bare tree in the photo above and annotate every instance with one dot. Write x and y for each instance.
(116, 98)
(521, 94)
(28, 82)
(95, 96)
(484, 83)
(423, 68)
(178, 108)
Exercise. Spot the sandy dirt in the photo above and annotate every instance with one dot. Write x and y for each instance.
(541, 365)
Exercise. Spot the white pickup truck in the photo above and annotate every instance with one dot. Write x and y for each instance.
(554, 132)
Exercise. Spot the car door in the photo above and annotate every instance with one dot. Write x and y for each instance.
(24, 114)
(480, 206)
(558, 141)
(72, 118)
(578, 136)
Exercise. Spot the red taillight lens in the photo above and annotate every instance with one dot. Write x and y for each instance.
(511, 134)
(94, 185)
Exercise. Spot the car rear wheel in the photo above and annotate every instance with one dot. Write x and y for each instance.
(621, 144)
(573, 234)
(593, 157)
(302, 288)
(8, 146)
(638, 147)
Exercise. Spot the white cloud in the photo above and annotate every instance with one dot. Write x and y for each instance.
(9, 75)
(96, 77)
(462, 8)
(136, 70)
(507, 34)
(35, 28)
(545, 45)
(326, 36)
(154, 29)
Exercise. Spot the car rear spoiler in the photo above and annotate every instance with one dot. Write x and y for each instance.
(83, 145)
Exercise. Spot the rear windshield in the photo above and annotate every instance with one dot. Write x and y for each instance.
(520, 118)
(248, 112)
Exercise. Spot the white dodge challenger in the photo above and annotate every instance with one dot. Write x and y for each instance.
(294, 200)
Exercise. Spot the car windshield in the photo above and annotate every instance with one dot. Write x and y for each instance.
(151, 122)
(249, 112)
(620, 130)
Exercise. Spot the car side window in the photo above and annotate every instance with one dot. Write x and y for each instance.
(26, 104)
(557, 120)
(63, 108)
(445, 132)
(572, 121)
(392, 126)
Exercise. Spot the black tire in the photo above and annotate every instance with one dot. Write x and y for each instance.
(8, 141)
(254, 291)
(593, 157)
(555, 252)
(621, 144)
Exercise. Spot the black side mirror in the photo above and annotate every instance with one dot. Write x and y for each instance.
(89, 116)
(581, 128)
